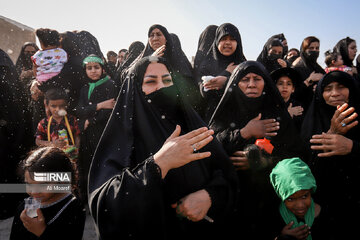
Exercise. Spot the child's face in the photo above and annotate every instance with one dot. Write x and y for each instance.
(299, 203)
(55, 106)
(94, 71)
(339, 61)
(286, 87)
(44, 197)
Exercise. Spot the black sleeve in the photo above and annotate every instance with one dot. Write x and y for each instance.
(231, 140)
(132, 199)
(83, 109)
(69, 225)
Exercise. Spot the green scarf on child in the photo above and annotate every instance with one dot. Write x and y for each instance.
(288, 177)
(93, 85)
(288, 216)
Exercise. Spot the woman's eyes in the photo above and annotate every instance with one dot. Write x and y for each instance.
(167, 80)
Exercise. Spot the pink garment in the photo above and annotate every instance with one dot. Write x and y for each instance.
(46, 76)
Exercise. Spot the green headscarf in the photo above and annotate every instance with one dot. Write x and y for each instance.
(288, 177)
(92, 58)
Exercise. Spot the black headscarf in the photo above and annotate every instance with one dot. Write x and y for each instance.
(134, 51)
(235, 110)
(206, 39)
(137, 128)
(281, 37)
(342, 48)
(270, 64)
(319, 114)
(306, 66)
(24, 60)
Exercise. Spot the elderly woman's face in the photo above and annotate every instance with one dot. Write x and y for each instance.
(227, 45)
(252, 85)
(157, 76)
(336, 94)
(156, 39)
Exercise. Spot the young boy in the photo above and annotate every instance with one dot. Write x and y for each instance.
(294, 183)
(60, 129)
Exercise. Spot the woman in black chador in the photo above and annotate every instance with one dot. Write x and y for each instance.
(206, 39)
(225, 53)
(311, 72)
(250, 109)
(272, 55)
(167, 45)
(334, 135)
(144, 182)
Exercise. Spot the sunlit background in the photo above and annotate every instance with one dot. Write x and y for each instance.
(116, 24)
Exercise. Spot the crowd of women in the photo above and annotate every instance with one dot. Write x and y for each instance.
(174, 149)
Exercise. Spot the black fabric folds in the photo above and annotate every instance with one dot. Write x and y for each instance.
(206, 40)
(127, 196)
(270, 64)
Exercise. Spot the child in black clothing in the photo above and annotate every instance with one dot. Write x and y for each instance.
(61, 215)
(97, 99)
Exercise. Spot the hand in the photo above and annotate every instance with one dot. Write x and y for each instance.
(240, 161)
(354, 71)
(301, 232)
(282, 62)
(34, 225)
(194, 206)
(60, 143)
(340, 117)
(331, 144)
(108, 104)
(314, 77)
(86, 124)
(230, 68)
(216, 83)
(159, 52)
(179, 150)
(26, 74)
(35, 91)
(260, 128)
(295, 111)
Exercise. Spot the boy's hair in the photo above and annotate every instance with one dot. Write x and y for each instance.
(122, 50)
(330, 56)
(55, 94)
(111, 54)
(48, 37)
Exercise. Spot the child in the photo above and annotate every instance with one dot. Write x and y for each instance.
(286, 80)
(61, 215)
(96, 101)
(334, 62)
(49, 61)
(60, 129)
(294, 183)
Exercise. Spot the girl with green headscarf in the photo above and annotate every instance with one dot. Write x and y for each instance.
(97, 99)
(294, 183)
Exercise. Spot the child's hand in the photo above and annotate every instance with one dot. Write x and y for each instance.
(300, 233)
(108, 104)
(34, 225)
(60, 143)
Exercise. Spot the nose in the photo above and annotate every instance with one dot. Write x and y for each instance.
(252, 83)
(160, 85)
(334, 92)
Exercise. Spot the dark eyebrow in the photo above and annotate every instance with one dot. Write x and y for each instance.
(166, 75)
(151, 76)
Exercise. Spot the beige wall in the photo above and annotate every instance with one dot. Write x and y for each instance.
(13, 35)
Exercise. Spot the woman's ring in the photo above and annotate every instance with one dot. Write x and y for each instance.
(194, 148)
(343, 124)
